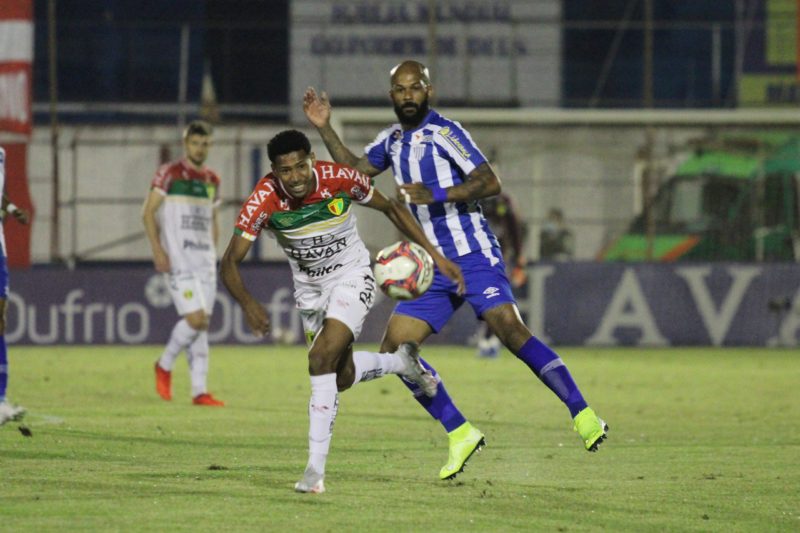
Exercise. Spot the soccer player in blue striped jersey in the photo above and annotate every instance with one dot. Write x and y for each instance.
(441, 174)
(8, 410)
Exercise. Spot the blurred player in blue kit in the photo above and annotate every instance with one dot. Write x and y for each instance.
(441, 174)
(8, 411)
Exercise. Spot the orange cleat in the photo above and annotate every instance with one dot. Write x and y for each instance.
(207, 399)
(163, 383)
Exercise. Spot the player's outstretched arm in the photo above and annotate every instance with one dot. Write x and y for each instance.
(254, 312)
(481, 182)
(405, 222)
(317, 108)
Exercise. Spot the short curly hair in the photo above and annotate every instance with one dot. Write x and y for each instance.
(286, 142)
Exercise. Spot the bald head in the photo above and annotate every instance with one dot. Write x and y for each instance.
(414, 69)
(410, 90)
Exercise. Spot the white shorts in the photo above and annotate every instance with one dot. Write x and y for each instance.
(348, 299)
(193, 291)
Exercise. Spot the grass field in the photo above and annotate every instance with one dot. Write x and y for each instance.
(700, 440)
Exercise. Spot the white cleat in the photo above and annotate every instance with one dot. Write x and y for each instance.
(415, 372)
(10, 412)
(312, 482)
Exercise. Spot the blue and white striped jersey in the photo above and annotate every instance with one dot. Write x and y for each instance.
(440, 153)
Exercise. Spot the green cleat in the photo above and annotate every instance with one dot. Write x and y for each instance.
(464, 441)
(592, 429)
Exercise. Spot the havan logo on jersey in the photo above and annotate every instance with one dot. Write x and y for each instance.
(326, 172)
(254, 202)
(318, 251)
(453, 141)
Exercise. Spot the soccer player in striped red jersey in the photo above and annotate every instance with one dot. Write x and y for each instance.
(441, 174)
(180, 220)
(308, 206)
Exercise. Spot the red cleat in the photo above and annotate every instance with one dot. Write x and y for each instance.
(207, 399)
(163, 383)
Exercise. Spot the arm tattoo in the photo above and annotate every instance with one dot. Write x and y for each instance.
(337, 149)
(342, 154)
(481, 182)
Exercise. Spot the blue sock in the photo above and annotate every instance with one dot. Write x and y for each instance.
(3, 367)
(549, 368)
(440, 407)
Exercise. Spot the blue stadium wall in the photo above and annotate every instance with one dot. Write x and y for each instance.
(591, 304)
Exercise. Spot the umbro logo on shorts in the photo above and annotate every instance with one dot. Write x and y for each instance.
(491, 292)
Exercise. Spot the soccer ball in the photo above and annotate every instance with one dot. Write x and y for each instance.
(403, 270)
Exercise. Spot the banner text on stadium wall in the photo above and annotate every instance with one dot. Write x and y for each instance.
(589, 304)
(481, 53)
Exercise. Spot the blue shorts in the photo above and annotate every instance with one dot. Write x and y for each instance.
(487, 287)
(3, 277)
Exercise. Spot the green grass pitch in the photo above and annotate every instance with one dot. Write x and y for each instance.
(700, 440)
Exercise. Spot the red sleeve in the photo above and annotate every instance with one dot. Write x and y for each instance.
(163, 178)
(254, 214)
(342, 178)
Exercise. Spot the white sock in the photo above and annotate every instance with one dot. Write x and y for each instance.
(181, 337)
(322, 410)
(197, 354)
(371, 365)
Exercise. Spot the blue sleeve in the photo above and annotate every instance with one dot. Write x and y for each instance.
(458, 144)
(377, 151)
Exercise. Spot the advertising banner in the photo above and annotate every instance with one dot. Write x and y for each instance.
(578, 304)
(16, 56)
(504, 52)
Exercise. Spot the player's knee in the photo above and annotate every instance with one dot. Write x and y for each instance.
(393, 338)
(513, 335)
(320, 362)
(510, 329)
(2, 326)
(198, 321)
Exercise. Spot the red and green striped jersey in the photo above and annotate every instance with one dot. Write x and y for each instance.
(317, 233)
(187, 215)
